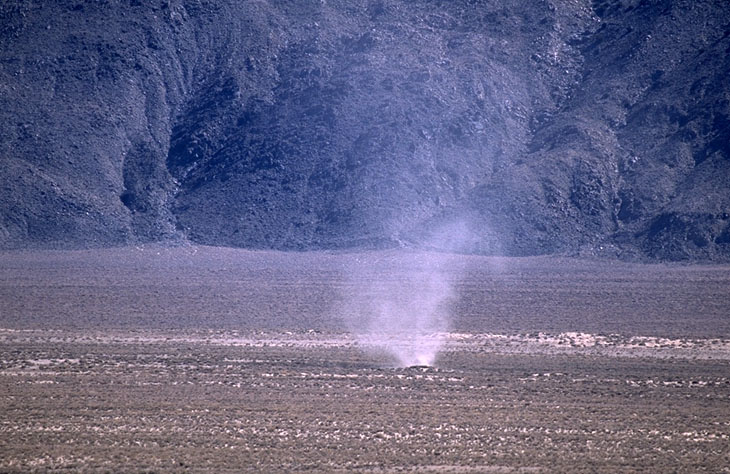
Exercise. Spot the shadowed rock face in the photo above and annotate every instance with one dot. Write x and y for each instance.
(528, 127)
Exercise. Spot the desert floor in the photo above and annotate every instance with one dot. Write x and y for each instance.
(208, 359)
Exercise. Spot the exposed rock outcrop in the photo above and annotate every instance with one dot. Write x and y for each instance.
(593, 128)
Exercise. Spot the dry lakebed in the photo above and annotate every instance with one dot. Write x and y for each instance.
(200, 359)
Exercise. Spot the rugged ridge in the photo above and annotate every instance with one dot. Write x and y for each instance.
(592, 128)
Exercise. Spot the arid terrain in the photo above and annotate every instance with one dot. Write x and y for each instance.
(208, 359)
(582, 127)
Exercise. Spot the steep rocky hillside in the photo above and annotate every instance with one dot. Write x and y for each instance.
(514, 127)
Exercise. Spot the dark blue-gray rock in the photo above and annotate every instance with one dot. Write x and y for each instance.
(530, 127)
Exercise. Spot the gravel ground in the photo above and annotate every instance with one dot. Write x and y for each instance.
(200, 359)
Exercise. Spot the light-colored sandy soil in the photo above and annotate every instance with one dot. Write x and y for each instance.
(200, 359)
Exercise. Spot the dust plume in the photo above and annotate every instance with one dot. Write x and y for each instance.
(399, 301)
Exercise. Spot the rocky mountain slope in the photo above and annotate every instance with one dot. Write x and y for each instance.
(500, 127)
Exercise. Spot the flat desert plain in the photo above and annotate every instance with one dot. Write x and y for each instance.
(211, 360)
